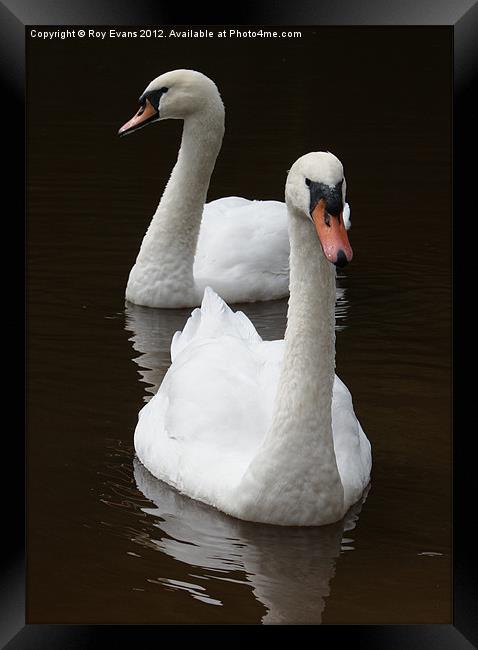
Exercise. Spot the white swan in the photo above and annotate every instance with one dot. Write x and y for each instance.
(260, 429)
(241, 249)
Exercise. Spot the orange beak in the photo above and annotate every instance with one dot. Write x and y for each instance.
(332, 235)
(146, 114)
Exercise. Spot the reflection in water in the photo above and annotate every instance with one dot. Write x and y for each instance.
(152, 331)
(341, 304)
(289, 568)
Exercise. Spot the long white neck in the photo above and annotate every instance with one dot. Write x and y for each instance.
(304, 395)
(296, 466)
(171, 240)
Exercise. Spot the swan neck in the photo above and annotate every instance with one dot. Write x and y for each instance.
(171, 240)
(307, 375)
(294, 475)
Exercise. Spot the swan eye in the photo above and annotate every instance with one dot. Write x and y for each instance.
(307, 182)
(154, 96)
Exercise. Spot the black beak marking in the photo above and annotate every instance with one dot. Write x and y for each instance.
(154, 97)
(332, 195)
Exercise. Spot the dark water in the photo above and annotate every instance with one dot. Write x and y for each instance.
(107, 542)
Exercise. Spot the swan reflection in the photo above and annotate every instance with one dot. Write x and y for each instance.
(288, 568)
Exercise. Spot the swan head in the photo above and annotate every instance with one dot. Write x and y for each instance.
(315, 190)
(177, 94)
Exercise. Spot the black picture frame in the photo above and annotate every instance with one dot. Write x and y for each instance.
(462, 17)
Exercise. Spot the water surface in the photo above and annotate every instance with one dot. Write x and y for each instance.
(106, 541)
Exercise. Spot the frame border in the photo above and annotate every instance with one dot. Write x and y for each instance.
(462, 18)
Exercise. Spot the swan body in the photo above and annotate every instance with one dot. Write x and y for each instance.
(264, 430)
(237, 246)
(242, 250)
(203, 447)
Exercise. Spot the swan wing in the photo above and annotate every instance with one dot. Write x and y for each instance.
(213, 319)
(243, 249)
(204, 425)
(352, 448)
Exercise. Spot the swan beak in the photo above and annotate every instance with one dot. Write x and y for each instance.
(332, 235)
(146, 114)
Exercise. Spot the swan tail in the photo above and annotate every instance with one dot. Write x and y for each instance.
(182, 338)
(212, 320)
(219, 319)
(212, 304)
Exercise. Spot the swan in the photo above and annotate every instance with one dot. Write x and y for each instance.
(263, 430)
(237, 246)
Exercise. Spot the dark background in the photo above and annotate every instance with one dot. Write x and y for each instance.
(380, 100)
